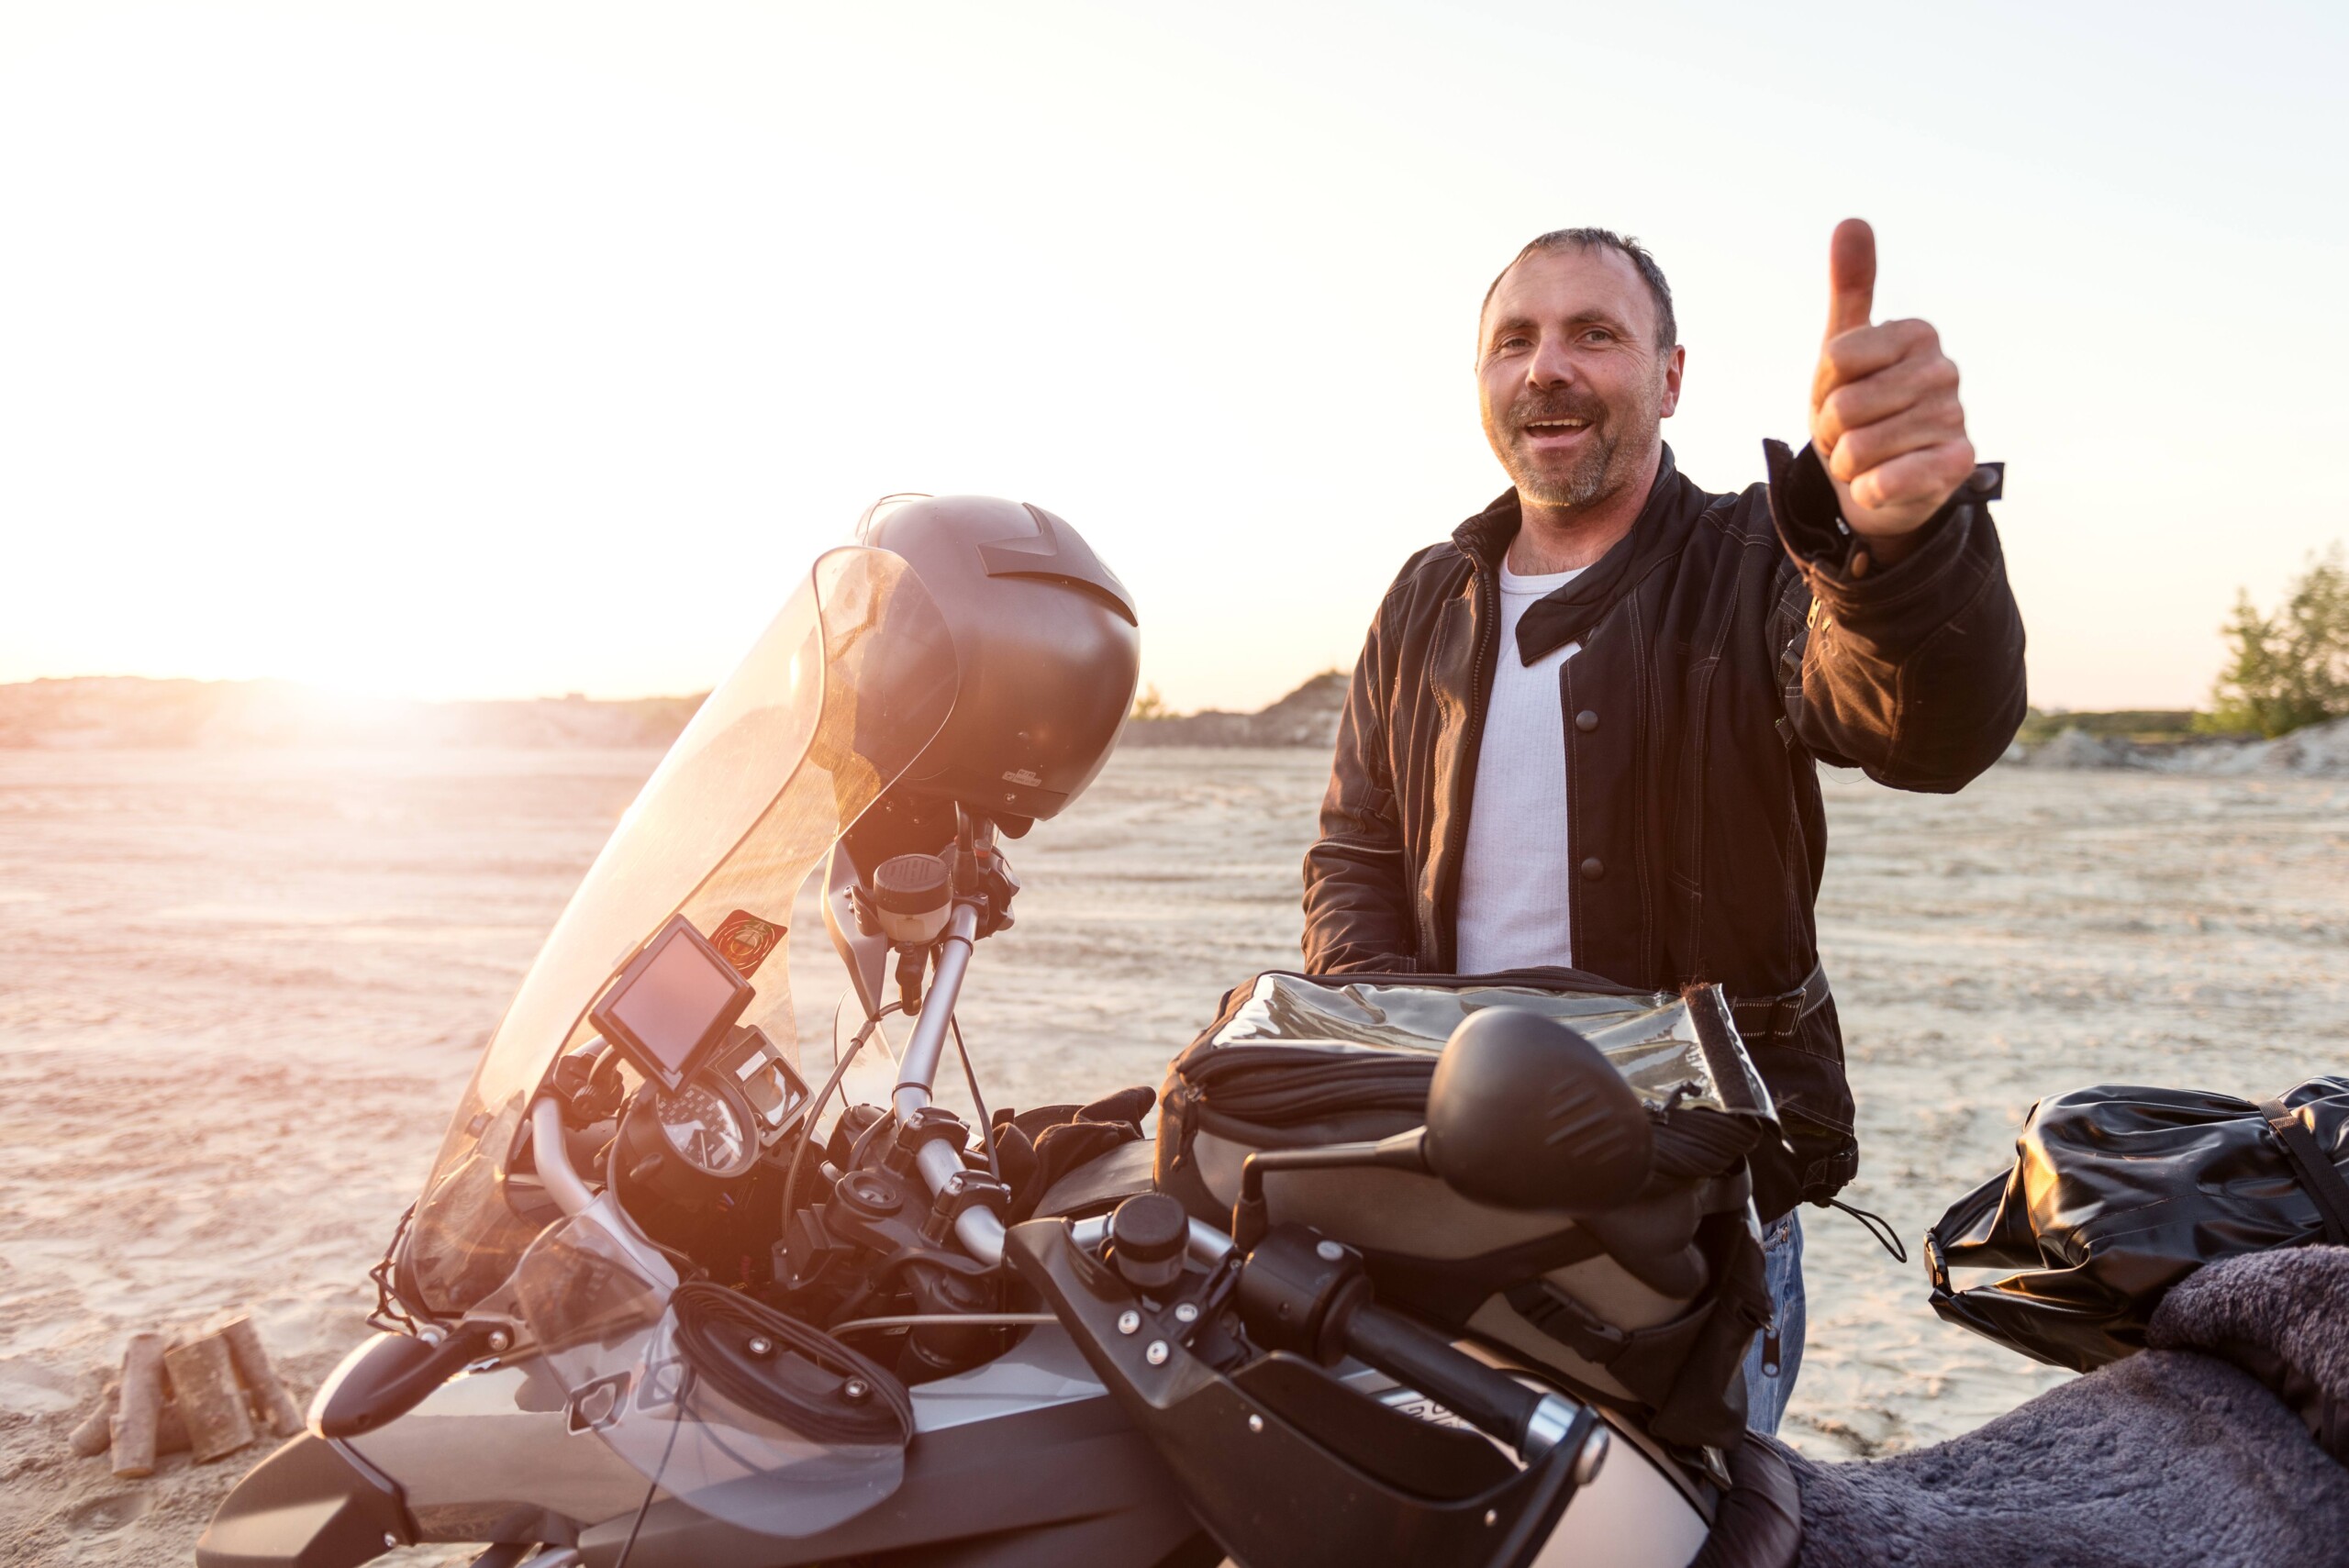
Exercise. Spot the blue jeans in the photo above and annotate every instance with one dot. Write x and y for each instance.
(1768, 1384)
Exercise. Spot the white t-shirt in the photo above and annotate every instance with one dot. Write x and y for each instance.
(1516, 873)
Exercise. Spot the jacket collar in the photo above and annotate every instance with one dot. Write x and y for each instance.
(1567, 615)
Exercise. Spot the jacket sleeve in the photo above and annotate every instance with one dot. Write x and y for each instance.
(1357, 879)
(1912, 672)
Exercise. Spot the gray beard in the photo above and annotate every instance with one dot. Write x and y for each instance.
(1587, 482)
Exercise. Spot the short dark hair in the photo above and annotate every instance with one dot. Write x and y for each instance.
(1667, 330)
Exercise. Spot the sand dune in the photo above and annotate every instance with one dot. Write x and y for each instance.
(243, 986)
(130, 713)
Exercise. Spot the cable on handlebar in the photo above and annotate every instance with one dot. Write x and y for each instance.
(946, 1320)
(816, 1107)
(986, 1128)
(866, 1138)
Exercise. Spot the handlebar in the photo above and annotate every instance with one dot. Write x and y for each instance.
(1484, 1396)
(978, 1229)
(923, 1052)
(1533, 1423)
(553, 1160)
(1302, 1293)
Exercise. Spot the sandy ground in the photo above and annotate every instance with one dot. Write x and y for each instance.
(242, 991)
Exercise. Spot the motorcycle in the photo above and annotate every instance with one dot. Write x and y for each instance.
(659, 1302)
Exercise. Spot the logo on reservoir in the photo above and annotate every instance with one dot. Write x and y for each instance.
(1023, 777)
(745, 941)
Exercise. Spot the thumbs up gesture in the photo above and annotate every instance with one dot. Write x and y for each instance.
(1884, 411)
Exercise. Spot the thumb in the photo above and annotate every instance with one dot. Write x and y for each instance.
(1851, 271)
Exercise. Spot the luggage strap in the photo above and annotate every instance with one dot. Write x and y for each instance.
(2316, 1174)
(1772, 1017)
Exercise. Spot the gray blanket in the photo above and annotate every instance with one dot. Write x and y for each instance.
(2176, 1455)
(2283, 1318)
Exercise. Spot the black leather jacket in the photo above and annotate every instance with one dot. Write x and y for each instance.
(1729, 644)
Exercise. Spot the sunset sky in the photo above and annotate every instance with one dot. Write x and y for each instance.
(490, 350)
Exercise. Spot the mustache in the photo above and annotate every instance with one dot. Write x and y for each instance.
(1555, 405)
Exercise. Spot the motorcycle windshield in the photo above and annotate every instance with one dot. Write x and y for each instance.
(842, 691)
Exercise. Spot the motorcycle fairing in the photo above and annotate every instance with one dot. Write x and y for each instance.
(606, 1326)
(1063, 1485)
(308, 1504)
(1261, 1474)
(842, 691)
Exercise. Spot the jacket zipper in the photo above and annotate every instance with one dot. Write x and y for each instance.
(1455, 838)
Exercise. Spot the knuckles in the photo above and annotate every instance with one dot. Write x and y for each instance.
(1928, 424)
(1866, 352)
(1936, 445)
(1923, 482)
(1859, 431)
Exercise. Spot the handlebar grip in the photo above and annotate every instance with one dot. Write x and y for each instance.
(1299, 1291)
(1490, 1400)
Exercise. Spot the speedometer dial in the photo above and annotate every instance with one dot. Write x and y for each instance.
(706, 1126)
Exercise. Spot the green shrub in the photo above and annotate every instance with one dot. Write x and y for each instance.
(2289, 669)
(1150, 705)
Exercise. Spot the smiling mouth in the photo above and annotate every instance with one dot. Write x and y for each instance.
(1555, 427)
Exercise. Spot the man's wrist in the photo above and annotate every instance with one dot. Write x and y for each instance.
(1883, 552)
(1807, 504)
(1883, 549)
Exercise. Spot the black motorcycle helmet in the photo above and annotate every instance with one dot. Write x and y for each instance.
(1046, 641)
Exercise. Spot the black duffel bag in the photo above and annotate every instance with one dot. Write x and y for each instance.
(2118, 1193)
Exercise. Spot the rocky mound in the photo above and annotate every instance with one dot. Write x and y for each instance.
(2322, 751)
(1307, 716)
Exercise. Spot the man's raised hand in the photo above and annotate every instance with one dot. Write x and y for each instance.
(1884, 408)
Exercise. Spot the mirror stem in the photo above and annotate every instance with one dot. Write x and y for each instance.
(1404, 1152)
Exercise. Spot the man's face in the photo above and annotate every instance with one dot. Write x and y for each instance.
(1572, 385)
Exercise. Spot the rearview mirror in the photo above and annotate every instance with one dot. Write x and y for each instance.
(1525, 1112)
(1522, 1113)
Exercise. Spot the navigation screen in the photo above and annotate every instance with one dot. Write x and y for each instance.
(672, 1003)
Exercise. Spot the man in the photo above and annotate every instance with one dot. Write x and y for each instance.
(1584, 731)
